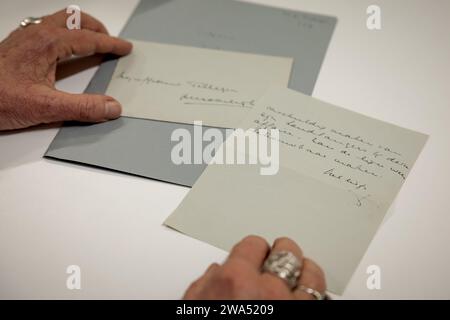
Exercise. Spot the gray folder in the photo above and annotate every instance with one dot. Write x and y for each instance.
(143, 147)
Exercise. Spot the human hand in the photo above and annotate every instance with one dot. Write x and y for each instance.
(241, 276)
(28, 61)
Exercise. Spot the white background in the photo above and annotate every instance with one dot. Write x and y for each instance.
(54, 214)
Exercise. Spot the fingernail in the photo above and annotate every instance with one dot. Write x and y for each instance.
(113, 109)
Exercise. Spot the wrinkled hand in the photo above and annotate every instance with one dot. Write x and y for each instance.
(240, 277)
(28, 61)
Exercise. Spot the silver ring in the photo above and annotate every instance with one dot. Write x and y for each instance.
(30, 20)
(316, 294)
(284, 265)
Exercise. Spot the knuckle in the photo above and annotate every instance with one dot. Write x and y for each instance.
(289, 245)
(46, 35)
(87, 109)
(249, 243)
(315, 268)
(45, 110)
(229, 279)
(212, 267)
(255, 240)
(320, 272)
(82, 35)
(274, 291)
(48, 39)
(282, 239)
(43, 33)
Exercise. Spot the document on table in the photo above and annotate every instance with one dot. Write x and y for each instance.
(198, 23)
(186, 84)
(339, 173)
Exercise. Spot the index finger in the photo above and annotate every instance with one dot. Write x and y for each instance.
(59, 19)
(252, 249)
(85, 42)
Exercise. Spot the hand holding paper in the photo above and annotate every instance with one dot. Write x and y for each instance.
(186, 84)
(339, 173)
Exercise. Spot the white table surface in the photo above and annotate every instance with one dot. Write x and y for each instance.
(55, 214)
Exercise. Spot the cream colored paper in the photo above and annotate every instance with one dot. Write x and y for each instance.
(187, 84)
(339, 173)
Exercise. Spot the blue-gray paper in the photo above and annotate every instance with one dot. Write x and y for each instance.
(143, 147)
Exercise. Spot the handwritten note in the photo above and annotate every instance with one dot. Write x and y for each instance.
(339, 173)
(351, 153)
(186, 84)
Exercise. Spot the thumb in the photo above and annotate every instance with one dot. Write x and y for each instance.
(81, 107)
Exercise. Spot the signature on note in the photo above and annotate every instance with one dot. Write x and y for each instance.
(360, 199)
(350, 159)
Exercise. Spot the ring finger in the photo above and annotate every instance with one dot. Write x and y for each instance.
(311, 278)
(283, 244)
